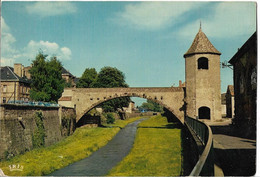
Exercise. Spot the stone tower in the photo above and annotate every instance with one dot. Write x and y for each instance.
(202, 75)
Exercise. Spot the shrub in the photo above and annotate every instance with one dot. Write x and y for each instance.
(38, 138)
(110, 118)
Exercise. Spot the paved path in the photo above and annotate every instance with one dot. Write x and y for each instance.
(104, 159)
(235, 155)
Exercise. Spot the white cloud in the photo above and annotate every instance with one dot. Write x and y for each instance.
(7, 44)
(9, 53)
(50, 48)
(66, 52)
(6, 61)
(153, 15)
(4, 26)
(47, 8)
(230, 19)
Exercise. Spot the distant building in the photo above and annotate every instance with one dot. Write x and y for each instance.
(230, 102)
(15, 83)
(223, 105)
(181, 84)
(130, 108)
(68, 77)
(245, 83)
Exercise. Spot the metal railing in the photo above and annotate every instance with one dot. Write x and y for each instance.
(205, 164)
(33, 103)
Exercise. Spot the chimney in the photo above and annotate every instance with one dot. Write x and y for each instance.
(180, 83)
(26, 72)
(18, 69)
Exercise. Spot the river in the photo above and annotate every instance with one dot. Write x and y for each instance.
(99, 163)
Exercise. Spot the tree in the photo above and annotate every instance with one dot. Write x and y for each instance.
(110, 77)
(47, 83)
(88, 78)
(152, 106)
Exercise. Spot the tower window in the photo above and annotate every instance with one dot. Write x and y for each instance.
(203, 63)
(204, 112)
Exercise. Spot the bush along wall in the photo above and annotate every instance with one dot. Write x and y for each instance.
(68, 125)
(38, 137)
(68, 122)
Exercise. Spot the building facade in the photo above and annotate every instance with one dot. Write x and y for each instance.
(223, 105)
(245, 85)
(202, 78)
(14, 83)
(230, 102)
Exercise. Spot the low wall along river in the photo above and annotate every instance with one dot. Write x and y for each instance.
(18, 126)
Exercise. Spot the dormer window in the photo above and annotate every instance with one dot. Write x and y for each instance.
(203, 63)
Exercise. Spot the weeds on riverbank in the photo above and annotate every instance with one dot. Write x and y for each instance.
(156, 151)
(81, 144)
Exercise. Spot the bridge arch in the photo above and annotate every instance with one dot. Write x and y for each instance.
(85, 99)
(155, 99)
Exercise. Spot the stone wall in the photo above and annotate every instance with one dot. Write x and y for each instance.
(67, 121)
(84, 99)
(17, 126)
(203, 86)
(245, 87)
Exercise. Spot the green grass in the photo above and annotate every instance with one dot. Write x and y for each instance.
(156, 151)
(81, 144)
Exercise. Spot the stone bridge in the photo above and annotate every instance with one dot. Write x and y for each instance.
(84, 99)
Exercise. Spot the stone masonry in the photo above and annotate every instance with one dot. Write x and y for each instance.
(17, 125)
(84, 99)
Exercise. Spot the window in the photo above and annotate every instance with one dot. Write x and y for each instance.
(204, 113)
(4, 88)
(4, 99)
(203, 63)
(21, 89)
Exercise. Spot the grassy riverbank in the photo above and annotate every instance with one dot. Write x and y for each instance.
(81, 144)
(156, 151)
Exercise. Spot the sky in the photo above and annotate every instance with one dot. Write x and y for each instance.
(145, 40)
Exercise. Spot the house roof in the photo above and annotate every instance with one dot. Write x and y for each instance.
(230, 90)
(76, 80)
(251, 42)
(201, 45)
(7, 74)
(65, 98)
(66, 72)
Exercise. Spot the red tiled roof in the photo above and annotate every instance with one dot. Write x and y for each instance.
(65, 98)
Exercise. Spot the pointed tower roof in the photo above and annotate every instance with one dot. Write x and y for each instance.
(200, 45)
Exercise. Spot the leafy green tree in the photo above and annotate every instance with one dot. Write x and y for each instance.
(110, 77)
(110, 118)
(68, 84)
(47, 83)
(152, 106)
(88, 78)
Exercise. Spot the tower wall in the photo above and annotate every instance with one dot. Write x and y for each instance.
(203, 86)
